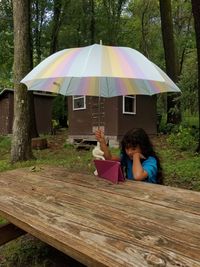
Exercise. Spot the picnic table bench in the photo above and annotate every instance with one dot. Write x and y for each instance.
(103, 224)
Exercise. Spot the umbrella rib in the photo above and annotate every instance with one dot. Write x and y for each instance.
(107, 85)
(86, 61)
(68, 85)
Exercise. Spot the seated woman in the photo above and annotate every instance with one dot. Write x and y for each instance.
(137, 157)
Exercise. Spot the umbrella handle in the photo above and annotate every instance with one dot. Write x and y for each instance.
(99, 111)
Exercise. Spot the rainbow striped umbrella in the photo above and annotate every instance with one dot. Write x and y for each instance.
(99, 70)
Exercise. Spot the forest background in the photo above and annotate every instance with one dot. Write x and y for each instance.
(57, 25)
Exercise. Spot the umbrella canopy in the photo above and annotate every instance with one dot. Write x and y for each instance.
(99, 70)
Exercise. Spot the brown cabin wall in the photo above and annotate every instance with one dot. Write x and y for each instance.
(111, 117)
(43, 113)
(11, 112)
(43, 110)
(4, 118)
(6, 114)
(115, 123)
(82, 122)
(145, 116)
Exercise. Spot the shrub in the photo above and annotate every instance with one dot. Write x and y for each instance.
(183, 139)
(166, 128)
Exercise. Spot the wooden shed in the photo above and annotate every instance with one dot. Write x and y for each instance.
(114, 115)
(43, 111)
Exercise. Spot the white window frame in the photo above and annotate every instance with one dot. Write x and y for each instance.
(78, 97)
(134, 108)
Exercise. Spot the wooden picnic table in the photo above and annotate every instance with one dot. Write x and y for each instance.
(103, 224)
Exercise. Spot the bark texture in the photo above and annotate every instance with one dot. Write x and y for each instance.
(21, 141)
(173, 103)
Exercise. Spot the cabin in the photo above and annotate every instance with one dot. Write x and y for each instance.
(114, 115)
(43, 111)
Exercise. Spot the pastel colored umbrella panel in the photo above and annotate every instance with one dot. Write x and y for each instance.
(99, 70)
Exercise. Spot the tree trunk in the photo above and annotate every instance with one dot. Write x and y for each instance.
(56, 26)
(113, 10)
(196, 14)
(92, 23)
(21, 141)
(39, 21)
(33, 126)
(144, 46)
(173, 103)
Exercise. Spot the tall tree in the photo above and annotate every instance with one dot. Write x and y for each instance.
(33, 126)
(41, 17)
(56, 25)
(112, 10)
(144, 47)
(59, 7)
(196, 14)
(92, 22)
(183, 29)
(21, 141)
(173, 102)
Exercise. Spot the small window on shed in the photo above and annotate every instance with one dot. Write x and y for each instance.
(79, 102)
(129, 104)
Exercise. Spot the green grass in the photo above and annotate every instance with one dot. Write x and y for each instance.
(181, 169)
(5, 143)
(190, 120)
(2, 221)
(25, 251)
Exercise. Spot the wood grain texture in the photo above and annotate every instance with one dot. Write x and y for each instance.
(102, 224)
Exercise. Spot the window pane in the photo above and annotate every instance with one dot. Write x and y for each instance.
(129, 104)
(79, 103)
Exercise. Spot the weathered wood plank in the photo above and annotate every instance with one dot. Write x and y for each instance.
(101, 224)
(8, 232)
(138, 227)
(135, 212)
(154, 194)
(101, 197)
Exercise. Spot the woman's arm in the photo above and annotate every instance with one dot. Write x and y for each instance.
(138, 172)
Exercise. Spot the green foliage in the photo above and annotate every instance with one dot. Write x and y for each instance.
(181, 169)
(6, 43)
(190, 120)
(55, 124)
(5, 144)
(166, 128)
(41, 17)
(188, 84)
(143, 29)
(59, 112)
(23, 252)
(2, 221)
(183, 139)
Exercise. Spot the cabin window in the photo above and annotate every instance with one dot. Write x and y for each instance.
(79, 102)
(129, 104)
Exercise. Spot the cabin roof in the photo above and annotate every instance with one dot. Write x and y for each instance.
(10, 90)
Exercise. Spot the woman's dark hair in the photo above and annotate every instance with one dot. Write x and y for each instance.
(138, 137)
